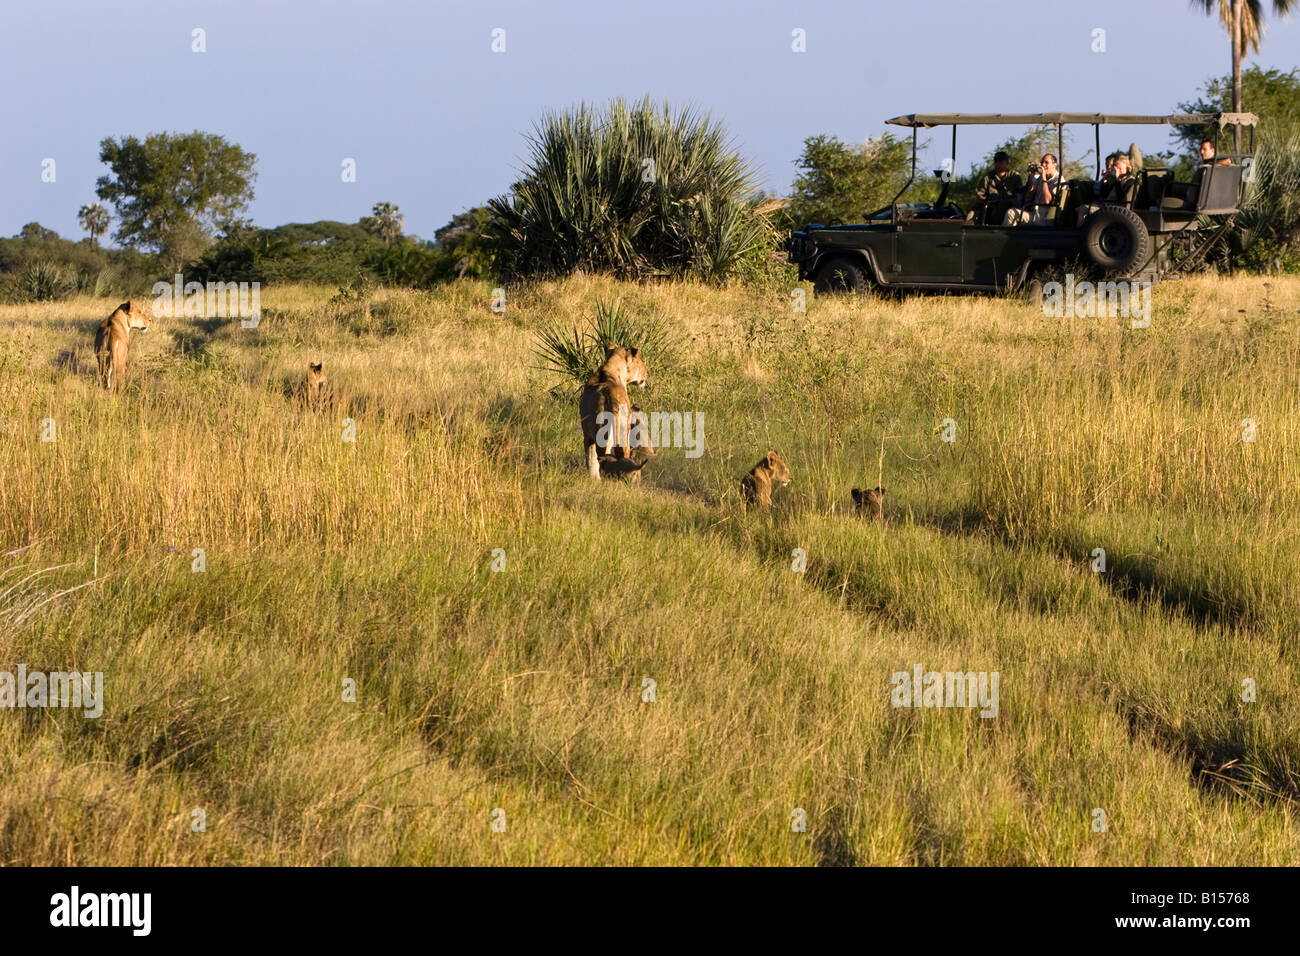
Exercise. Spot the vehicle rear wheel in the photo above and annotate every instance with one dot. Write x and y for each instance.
(841, 276)
(1116, 240)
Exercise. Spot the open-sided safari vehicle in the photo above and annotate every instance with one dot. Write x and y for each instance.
(1152, 234)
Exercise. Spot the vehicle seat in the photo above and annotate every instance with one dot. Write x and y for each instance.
(1220, 187)
(1153, 184)
(1183, 196)
(1068, 211)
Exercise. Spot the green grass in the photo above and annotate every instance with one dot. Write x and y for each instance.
(371, 561)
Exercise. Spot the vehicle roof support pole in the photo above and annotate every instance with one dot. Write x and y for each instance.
(1060, 162)
(1096, 130)
(893, 205)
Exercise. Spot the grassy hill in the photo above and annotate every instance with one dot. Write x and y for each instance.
(371, 561)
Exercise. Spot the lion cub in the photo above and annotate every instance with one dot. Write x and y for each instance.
(111, 342)
(756, 487)
(870, 502)
(316, 385)
(606, 392)
(617, 466)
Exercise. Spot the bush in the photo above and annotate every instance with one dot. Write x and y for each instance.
(327, 252)
(41, 267)
(766, 266)
(633, 190)
(43, 282)
(1267, 237)
(575, 354)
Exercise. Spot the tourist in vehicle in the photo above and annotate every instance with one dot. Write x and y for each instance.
(1108, 173)
(1209, 155)
(1118, 185)
(1102, 182)
(999, 187)
(1040, 195)
(1122, 182)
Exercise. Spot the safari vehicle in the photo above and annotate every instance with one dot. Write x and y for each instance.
(1154, 234)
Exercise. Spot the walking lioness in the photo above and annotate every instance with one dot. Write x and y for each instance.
(111, 343)
(606, 410)
(756, 487)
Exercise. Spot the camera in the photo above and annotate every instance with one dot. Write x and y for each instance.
(1035, 168)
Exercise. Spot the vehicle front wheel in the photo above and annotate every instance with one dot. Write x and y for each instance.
(841, 276)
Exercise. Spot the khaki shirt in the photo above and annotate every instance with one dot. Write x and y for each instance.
(1008, 187)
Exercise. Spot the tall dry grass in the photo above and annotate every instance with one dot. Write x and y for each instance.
(371, 561)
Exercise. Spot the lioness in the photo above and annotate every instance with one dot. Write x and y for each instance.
(870, 502)
(316, 385)
(756, 487)
(622, 364)
(606, 392)
(111, 343)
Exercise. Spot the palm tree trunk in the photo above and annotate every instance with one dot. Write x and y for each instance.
(1236, 71)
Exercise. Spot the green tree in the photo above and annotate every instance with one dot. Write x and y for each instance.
(34, 230)
(1272, 94)
(846, 182)
(94, 219)
(385, 221)
(1244, 22)
(461, 244)
(174, 191)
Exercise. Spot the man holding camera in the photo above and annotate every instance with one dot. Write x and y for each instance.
(1040, 196)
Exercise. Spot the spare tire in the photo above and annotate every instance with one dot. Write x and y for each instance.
(1116, 240)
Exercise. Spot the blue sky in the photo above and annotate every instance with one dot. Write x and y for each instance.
(435, 119)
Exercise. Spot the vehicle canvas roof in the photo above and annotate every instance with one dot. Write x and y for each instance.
(927, 120)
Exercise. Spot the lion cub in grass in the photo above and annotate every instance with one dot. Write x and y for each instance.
(756, 487)
(622, 465)
(112, 341)
(617, 466)
(316, 385)
(870, 502)
(606, 393)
